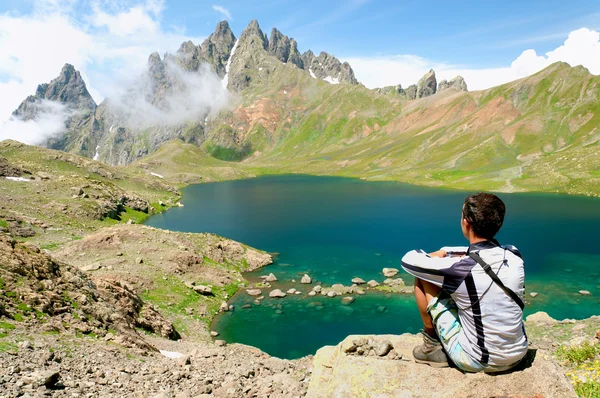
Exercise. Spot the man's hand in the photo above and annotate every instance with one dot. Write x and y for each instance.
(440, 253)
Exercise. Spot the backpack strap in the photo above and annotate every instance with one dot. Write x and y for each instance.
(486, 267)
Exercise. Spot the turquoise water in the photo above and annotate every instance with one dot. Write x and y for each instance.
(335, 229)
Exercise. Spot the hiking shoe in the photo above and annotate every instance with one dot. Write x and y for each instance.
(430, 352)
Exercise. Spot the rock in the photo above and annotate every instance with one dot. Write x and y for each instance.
(541, 318)
(358, 281)
(359, 291)
(203, 290)
(348, 300)
(224, 307)
(390, 272)
(381, 308)
(598, 335)
(47, 378)
(533, 294)
(277, 293)
(306, 279)
(458, 83)
(317, 289)
(139, 260)
(584, 292)
(427, 86)
(328, 68)
(221, 343)
(372, 283)
(338, 375)
(271, 278)
(213, 333)
(291, 291)
(382, 348)
(393, 282)
(312, 293)
(130, 222)
(331, 293)
(253, 292)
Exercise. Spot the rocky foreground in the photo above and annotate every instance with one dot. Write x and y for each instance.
(65, 332)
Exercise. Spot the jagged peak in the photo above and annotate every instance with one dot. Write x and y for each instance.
(154, 58)
(253, 29)
(187, 47)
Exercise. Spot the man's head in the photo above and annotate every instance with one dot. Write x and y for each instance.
(482, 214)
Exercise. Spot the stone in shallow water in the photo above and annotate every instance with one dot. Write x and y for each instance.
(306, 279)
(253, 292)
(584, 292)
(277, 293)
(271, 278)
(347, 300)
(389, 272)
(533, 294)
(372, 283)
(358, 281)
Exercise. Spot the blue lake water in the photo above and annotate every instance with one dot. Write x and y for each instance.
(335, 229)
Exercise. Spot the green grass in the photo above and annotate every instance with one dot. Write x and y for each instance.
(6, 346)
(580, 354)
(3, 223)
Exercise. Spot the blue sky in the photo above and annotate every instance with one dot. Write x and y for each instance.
(386, 42)
(470, 33)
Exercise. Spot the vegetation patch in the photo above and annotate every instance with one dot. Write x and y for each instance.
(584, 364)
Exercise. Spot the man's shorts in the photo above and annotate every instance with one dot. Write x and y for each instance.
(444, 313)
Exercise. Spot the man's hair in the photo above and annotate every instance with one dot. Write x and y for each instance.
(485, 212)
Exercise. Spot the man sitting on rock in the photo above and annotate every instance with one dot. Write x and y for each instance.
(470, 299)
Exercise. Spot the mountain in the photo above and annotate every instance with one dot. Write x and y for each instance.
(289, 115)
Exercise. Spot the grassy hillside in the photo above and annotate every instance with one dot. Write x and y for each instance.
(66, 196)
(539, 133)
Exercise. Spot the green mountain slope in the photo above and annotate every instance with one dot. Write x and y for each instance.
(537, 133)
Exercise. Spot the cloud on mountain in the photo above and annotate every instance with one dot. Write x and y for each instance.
(582, 47)
(107, 41)
(50, 122)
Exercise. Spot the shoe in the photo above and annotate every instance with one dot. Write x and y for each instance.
(430, 352)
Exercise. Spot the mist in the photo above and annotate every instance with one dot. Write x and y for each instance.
(182, 97)
(50, 122)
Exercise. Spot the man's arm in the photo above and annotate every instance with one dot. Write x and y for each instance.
(428, 267)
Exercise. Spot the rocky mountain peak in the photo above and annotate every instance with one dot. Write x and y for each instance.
(279, 45)
(253, 30)
(427, 85)
(216, 49)
(68, 89)
(458, 83)
(328, 68)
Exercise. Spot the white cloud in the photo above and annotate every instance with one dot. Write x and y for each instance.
(110, 46)
(50, 122)
(582, 47)
(224, 11)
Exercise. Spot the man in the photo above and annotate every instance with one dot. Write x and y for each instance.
(465, 310)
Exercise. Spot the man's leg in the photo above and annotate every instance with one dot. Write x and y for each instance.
(431, 351)
(424, 293)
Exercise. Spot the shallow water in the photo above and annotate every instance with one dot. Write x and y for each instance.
(335, 229)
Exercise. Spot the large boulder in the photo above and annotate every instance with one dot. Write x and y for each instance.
(337, 373)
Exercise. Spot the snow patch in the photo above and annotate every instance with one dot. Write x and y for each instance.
(312, 74)
(225, 80)
(97, 155)
(18, 179)
(332, 80)
(156, 175)
(172, 354)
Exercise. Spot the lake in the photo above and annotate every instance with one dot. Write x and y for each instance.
(335, 229)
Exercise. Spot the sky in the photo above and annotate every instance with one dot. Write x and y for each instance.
(386, 42)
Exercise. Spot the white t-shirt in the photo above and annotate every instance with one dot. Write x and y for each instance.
(492, 323)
